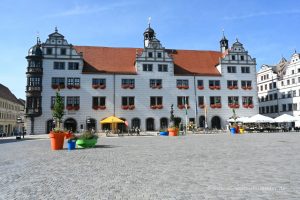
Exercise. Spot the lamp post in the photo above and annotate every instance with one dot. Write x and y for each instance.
(19, 121)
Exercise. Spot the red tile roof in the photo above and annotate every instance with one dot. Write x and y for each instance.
(5, 93)
(122, 60)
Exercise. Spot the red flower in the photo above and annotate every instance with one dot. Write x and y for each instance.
(102, 107)
(200, 87)
(249, 88)
(69, 86)
(131, 86)
(250, 106)
(201, 106)
(76, 107)
(212, 87)
(212, 105)
(153, 107)
(102, 86)
(125, 107)
(131, 107)
(69, 107)
(95, 86)
(95, 107)
(159, 106)
(125, 86)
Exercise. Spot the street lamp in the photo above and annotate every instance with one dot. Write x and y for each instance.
(19, 121)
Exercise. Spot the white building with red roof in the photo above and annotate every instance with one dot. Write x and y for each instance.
(138, 85)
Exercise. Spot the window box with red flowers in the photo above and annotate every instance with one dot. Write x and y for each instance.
(158, 86)
(212, 87)
(249, 87)
(61, 86)
(245, 105)
(244, 87)
(76, 107)
(131, 86)
(180, 106)
(95, 107)
(217, 87)
(236, 106)
(218, 105)
(200, 87)
(102, 87)
(230, 87)
(250, 106)
(69, 86)
(125, 107)
(131, 107)
(185, 87)
(153, 107)
(201, 105)
(231, 105)
(54, 86)
(95, 86)
(179, 86)
(70, 107)
(76, 86)
(235, 87)
(159, 106)
(125, 86)
(102, 107)
(213, 105)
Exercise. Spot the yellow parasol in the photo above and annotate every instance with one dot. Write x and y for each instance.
(113, 121)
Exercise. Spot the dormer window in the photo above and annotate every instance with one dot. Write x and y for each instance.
(150, 54)
(159, 55)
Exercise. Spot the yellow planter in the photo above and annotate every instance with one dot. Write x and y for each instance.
(241, 130)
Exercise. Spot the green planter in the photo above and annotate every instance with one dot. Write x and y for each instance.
(86, 143)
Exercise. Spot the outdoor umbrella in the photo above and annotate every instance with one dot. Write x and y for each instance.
(113, 121)
(259, 119)
(285, 118)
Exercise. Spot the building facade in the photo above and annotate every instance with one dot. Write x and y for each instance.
(11, 109)
(138, 85)
(279, 87)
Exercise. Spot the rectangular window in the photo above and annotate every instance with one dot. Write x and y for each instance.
(276, 108)
(248, 85)
(283, 95)
(242, 57)
(49, 51)
(261, 88)
(271, 109)
(275, 95)
(231, 69)
(288, 82)
(201, 101)
(182, 84)
(73, 101)
(162, 67)
(99, 82)
(182, 101)
(58, 81)
(289, 95)
(283, 107)
(282, 83)
(294, 93)
(266, 86)
(59, 65)
(73, 65)
(271, 97)
(245, 69)
(293, 72)
(150, 54)
(215, 100)
(214, 84)
(267, 109)
(73, 82)
(53, 101)
(147, 67)
(156, 101)
(233, 100)
(274, 85)
(127, 101)
(270, 86)
(232, 84)
(34, 81)
(290, 106)
(247, 100)
(293, 81)
(233, 57)
(200, 83)
(63, 51)
(128, 83)
(294, 106)
(156, 83)
(99, 102)
(159, 55)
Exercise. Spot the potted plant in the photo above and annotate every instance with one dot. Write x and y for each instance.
(87, 140)
(57, 135)
(163, 132)
(71, 140)
(173, 130)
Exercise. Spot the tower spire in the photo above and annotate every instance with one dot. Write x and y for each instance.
(149, 21)
(223, 43)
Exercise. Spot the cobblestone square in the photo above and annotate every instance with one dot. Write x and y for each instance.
(217, 166)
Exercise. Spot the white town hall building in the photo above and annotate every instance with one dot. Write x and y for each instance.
(138, 85)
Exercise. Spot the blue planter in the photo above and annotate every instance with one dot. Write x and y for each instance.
(71, 144)
(232, 130)
(164, 133)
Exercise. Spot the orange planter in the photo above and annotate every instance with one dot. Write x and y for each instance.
(173, 131)
(57, 140)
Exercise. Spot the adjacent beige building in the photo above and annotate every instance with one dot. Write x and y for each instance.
(11, 108)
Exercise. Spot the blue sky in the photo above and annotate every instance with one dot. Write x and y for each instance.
(268, 29)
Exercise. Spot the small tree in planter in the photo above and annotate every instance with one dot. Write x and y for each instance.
(173, 130)
(57, 135)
